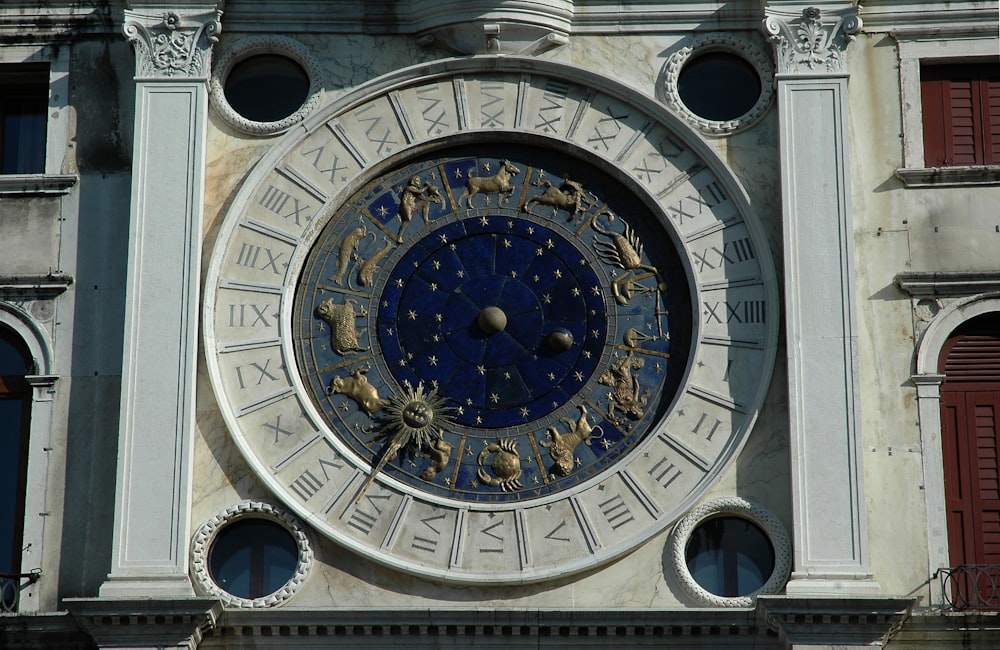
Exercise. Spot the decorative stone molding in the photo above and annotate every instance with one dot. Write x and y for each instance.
(719, 41)
(37, 184)
(735, 507)
(205, 536)
(254, 45)
(834, 622)
(808, 44)
(145, 622)
(169, 45)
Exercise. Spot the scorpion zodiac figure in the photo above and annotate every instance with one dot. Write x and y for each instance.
(625, 252)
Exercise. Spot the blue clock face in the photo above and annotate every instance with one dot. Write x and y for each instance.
(492, 328)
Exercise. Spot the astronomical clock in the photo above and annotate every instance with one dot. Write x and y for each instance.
(490, 324)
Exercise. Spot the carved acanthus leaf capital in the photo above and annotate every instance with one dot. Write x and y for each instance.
(171, 45)
(811, 42)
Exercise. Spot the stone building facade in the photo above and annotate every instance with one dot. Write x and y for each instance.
(618, 324)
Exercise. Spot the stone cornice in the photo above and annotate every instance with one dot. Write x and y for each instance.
(170, 45)
(931, 284)
(145, 623)
(808, 40)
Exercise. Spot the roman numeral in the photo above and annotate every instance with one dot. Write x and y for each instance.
(247, 314)
(732, 252)
(331, 171)
(553, 533)
(249, 256)
(278, 430)
(284, 205)
(693, 205)
(428, 544)
(711, 431)
(740, 311)
(365, 521)
(434, 114)
(488, 531)
(550, 114)
(382, 142)
(495, 103)
(307, 484)
(606, 129)
(255, 370)
(616, 512)
(664, 472)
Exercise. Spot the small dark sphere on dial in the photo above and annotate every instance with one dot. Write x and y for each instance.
(560, 340)
(492, 320)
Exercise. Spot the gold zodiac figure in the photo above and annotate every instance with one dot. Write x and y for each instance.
(569, 196)
(625, 252)
(356, 387)
(498, 183)
(626, 394)
(561, 446)
(440, 454)
(344, 337)
(417, 196)
(506, 465)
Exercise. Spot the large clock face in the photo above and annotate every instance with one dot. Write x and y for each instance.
(490, 327)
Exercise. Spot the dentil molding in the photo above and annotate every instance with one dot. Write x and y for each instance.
(171, 45)
(812, 41)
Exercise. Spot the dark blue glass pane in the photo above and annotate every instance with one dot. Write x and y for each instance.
(13, 360)
(24, 140)
(729, 557)
(253, 558)
(719, 86)
(266, 87)
(10, 476)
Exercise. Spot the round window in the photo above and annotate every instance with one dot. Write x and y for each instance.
(719, 86)
(266, 87)
(729, 556)
(252, 558)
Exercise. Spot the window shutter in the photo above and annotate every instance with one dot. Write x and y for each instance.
(961, 114)
(933, 105)
(991, 117)
(962, 98)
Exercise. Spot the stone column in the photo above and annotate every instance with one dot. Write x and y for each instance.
(152, 507)
(830, 532)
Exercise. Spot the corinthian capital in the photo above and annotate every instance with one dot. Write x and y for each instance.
(169, 44)
(811, 42)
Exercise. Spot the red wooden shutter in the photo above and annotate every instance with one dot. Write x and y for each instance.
(934, 108)
(991, 116)
(972, 475)
(961, 114)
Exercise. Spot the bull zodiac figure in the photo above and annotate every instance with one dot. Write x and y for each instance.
(498, 183)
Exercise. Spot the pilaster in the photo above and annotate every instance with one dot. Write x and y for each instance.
(152, 509)
(830, 531)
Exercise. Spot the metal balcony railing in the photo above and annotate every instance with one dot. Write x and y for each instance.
(971, 587)
(11, 586)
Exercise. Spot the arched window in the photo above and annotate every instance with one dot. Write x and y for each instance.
(15, 412)
(970, 430)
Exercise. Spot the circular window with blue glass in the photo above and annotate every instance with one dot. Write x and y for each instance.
(251, 555)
